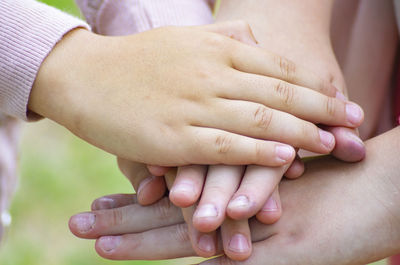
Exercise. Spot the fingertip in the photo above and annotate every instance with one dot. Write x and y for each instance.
(206, 245)
(271, 212)
(82, 224)
(106, 246)
(103, 203)
(295, 170)
(184, 193)
(239, 247)
(151, 190)
(355, 114)
(327, 140)
(349, 147)
(239, 208)
(284, 153)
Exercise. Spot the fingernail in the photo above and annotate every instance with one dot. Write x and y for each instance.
(206, 210)
(270, 205)
(239, 243)
(284, 152)
(144, 183)
(84, 222)
(104, 203)
(354, 113)
(109, 243)
(355, 138)
(339, 95)
(327, 139)
(185, 187)
(239, 202)
(206, 243)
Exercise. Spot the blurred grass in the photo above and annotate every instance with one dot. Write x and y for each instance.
(60, 176)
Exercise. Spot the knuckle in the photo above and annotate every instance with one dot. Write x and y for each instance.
(223, 143)
(330, 106)
(215, 40)
(163, 209)
(117, 217)
(327, 88)
(263, 117)
(181, 234)
(285, 92)
(287, 68)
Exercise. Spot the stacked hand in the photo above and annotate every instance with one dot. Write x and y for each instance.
(337, 213)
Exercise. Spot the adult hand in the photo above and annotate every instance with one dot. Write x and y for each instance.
(141, 96)
(324, 213)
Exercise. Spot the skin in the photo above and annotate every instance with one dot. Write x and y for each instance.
(243, 192)
(334, 209)
(212, 122)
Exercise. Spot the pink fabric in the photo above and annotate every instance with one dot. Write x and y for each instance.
(9, 135)
(28, 32)
(109, 17)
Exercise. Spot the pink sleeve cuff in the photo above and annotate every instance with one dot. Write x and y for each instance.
(28, 32)
(109, 17)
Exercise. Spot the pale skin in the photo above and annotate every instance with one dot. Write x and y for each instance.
(139, 97)
(244, 192)
(348, 212)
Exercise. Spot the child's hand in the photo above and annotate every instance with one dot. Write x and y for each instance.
(218, 186)
(179, 96)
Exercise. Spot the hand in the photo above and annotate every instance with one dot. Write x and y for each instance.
(141, 96)
(307, 24)
(324, 213)
(259, 185)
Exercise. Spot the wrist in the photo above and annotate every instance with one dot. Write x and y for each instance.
(54, 94)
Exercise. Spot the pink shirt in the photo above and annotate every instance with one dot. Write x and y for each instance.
(28, 32)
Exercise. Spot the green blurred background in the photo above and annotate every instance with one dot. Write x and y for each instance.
(60, 176)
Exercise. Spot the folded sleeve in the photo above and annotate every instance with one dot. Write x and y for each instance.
(28, 32)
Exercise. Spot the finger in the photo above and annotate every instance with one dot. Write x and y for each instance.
(221, 184)
(258, 121)
(157, 170)
(301, 102)
(296, 169)
(149, 188)
(238, 29)
(129, 219)
(113, 201)
(349, 147)
(236, 239)
(258, 61)
(256, 187)
(272, 209)
(188, 185)
(270, 252)
(174, 242)
(204, 244)
(215, 146)
(170, 177)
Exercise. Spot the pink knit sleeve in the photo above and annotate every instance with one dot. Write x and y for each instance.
(109, 17)
(28, 32)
